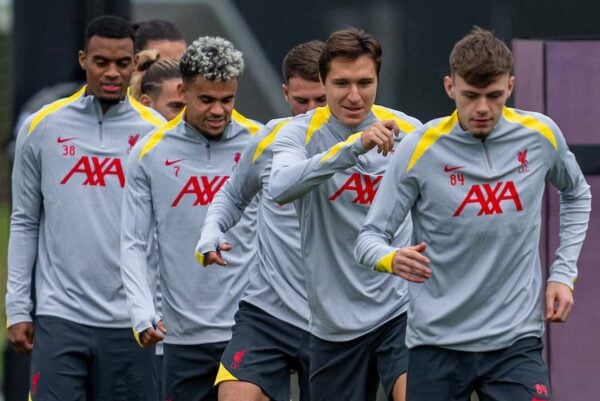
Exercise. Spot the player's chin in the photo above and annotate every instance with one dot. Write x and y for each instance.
(111, 98)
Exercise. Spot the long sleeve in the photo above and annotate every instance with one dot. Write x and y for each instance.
(386, 226)
(575, 208)
(231, 201)
(24, 227)
(136, 230)
(294, 174)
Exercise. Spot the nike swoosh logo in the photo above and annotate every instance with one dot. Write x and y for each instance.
(171, 162)
(63, 140)
(451, 169)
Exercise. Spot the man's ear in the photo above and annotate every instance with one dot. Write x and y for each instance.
(146, 100)
(181, 89)
(449, 86)
(511, 84)
(285, 90)
(81, 57)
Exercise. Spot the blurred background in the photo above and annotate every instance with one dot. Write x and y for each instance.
(557, 72)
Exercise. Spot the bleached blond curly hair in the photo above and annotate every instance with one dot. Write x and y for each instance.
(213, 57)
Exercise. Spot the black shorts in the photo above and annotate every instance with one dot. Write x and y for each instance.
(190, 371)
(71, 361)
(352, 370)
(516, 373)
(263, 351)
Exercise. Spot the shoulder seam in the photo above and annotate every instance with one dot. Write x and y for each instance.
(268, 140)
(145, 112)
(158, 135)
(383, 113)
(246, 122)
(529, 121)
(430, 136)
(53, 107)
(319, 117)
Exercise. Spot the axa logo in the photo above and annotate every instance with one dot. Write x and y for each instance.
(363, 187)
(237, 359)
(96, 170)
(490, 198)
(202, 189)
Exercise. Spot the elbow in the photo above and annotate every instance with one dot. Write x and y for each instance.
(279, 191)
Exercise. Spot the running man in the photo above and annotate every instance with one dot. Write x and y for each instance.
(172, 179)
(68, 182)
(330, 161)
(474, 182)
(270, 336)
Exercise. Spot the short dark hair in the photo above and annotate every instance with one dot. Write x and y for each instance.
(152, 72)
(156, 29)
(108, 26)
(480, 57)
(303, 61)
(350, 44)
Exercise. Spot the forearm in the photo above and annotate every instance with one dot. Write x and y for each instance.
(294, 176)
(574, 218)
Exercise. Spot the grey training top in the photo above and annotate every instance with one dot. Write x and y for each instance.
(172, 178)
(279, 284)
(322, 165)
(477, 203)
(68, 181)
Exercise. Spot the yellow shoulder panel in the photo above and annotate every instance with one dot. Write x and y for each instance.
(224, 375)
(158, 135)
(431, 136)
(384, 114)
(269, 139)
(145, 113)
(385, 264)
(52, 107)
(531, 123)
(338, 146)
(246, 122)
(319, 117)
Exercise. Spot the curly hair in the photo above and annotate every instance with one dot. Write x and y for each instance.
(212, 57)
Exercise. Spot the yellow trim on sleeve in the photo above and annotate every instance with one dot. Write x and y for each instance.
(246, 122)
(430, 137)
(339, 146)
(268, 140)
(54, 106)
(158, 135)
(145, 112)
(136, 335)
(385, 264)
(318, 119)
(531, 123)
(381, 113)
(29, 398)
(199, 258)
(224, 375)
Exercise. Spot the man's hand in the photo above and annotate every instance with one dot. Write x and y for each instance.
(410, 263)
(20, 335)
(559, 302)
(380, 134)
(151, 335)
(215, 256)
